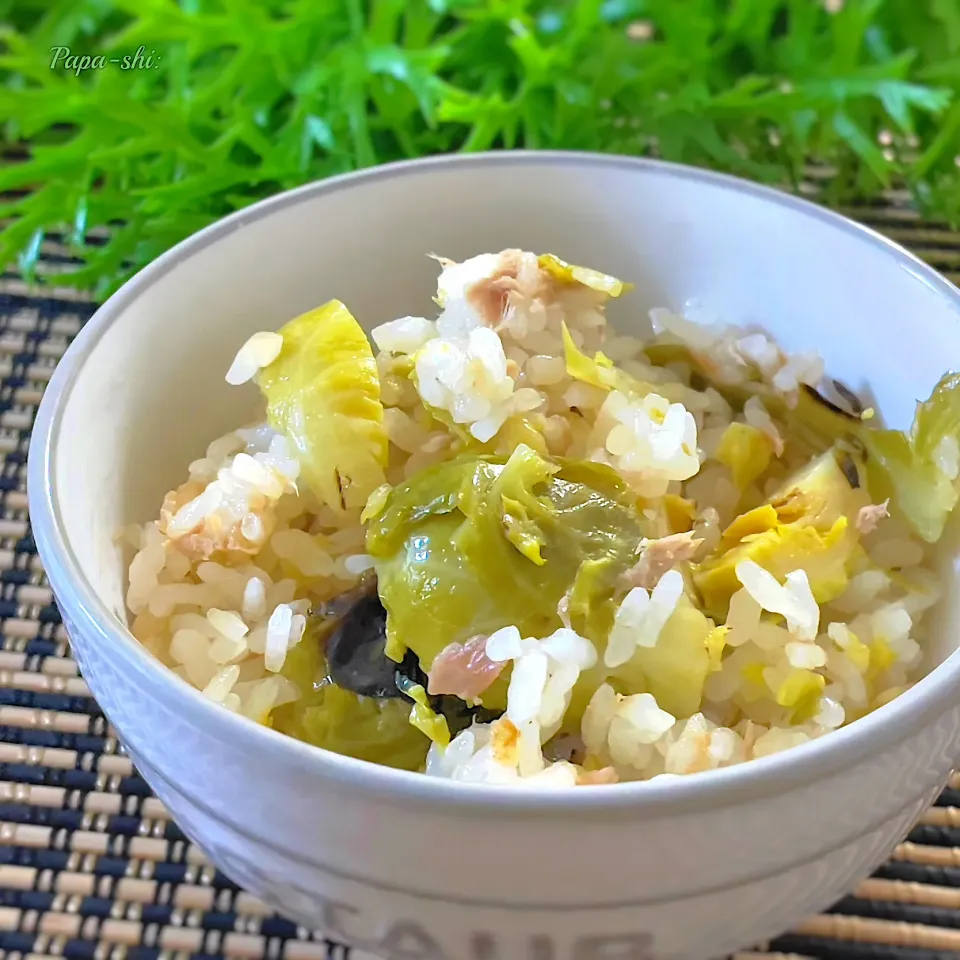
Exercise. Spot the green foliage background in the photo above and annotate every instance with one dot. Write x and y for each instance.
(255, 96)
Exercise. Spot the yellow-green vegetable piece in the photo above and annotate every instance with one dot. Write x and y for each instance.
(808, 524)
(881, 658)
(323, 394)
(518, 429)
(716, 642)
(328, 716)
(425, 719)
(570, 273)
(909, 466)
(746, 451)
(447, 569)
(521, 531)
(675, 669)
(824, 557)
(858, 652)
(801, 692)
(822, 492)
(600, 371)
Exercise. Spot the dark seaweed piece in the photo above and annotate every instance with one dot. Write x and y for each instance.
(357, 661)
(342, 604)
(355, 651)
(459, 714)
(409, 673)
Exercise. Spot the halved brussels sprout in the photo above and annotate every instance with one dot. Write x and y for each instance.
(456, 557)
(323, 393)
(804, 526)
(918, 469)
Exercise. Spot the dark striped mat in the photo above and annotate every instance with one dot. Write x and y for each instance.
(93, 868)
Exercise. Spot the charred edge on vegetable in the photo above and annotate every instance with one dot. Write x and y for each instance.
(849, 396)
(853, 445)
(829, 404)
(849, 468)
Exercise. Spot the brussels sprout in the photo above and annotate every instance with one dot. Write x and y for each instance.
(465, 539)
(804, 526)
(919, 468)
(323, 394)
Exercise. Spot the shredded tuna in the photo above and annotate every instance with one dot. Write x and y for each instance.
(209, 536)
(660, 556)
(516, 279)
(175, 499)
(587, 778)
(871, 515)
(488, 296)
(518, 285)
(463, 669)
(235, 511)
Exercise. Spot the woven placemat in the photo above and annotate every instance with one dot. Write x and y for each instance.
(91, 865)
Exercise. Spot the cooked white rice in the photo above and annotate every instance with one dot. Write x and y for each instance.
(223, 582)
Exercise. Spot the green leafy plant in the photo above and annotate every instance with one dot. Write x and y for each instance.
(249, 97)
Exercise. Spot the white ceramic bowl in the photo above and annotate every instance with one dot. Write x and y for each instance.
(410, 867)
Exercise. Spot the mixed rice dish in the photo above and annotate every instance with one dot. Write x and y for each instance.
(510, 546)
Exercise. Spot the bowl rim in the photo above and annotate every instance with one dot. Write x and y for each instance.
(817, 759)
